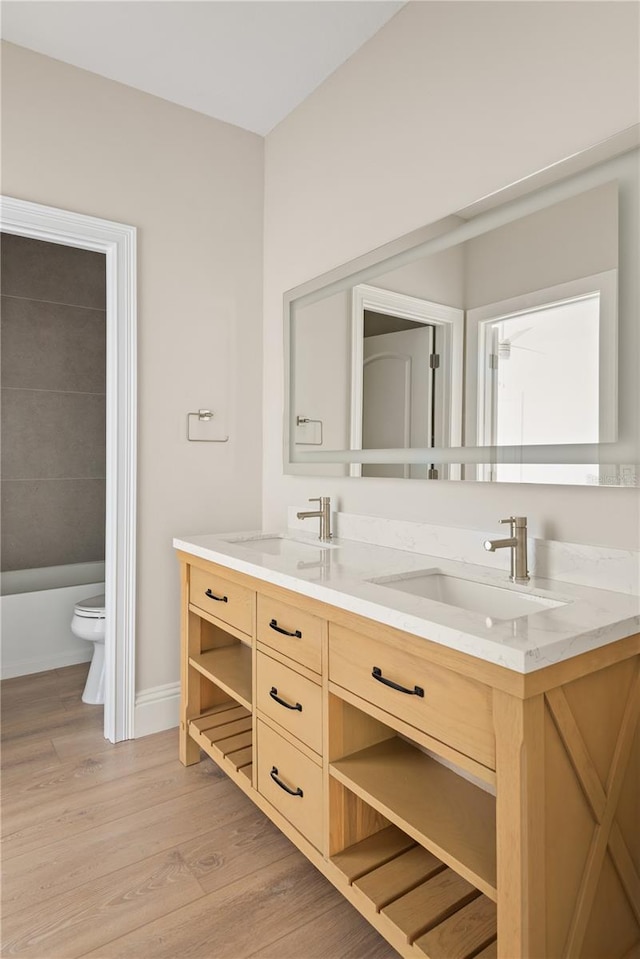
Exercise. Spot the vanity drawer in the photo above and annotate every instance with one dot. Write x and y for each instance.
(452, 708)
(291, 782)
(226, 601)
(290, 700)
(291, 631)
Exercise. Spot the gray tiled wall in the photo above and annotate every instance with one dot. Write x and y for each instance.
(53, 338)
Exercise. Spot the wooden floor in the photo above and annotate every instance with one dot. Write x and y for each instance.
(120, 851)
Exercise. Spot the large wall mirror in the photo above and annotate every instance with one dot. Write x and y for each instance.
(500, 344)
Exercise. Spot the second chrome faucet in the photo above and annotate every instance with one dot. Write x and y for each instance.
(518, 544)
(323, 513)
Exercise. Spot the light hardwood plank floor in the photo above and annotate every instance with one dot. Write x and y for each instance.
(122, 852)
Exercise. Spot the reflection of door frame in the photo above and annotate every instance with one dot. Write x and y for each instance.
(449, 319)
(118, 242)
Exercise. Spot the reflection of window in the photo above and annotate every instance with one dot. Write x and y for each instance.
(539, 364)
(545, 375)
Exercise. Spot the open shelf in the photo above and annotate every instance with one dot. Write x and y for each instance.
(225, 735)
(229, 667)
(451, 817)
(415, 894)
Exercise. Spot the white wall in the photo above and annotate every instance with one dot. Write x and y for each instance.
(447, 103)
(194, 189)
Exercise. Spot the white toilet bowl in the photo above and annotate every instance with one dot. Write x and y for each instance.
(89, 623)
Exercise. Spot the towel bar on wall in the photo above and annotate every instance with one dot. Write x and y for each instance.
(202, 417)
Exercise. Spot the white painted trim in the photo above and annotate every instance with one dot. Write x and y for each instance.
(157, 708)
(448, 318)
(118, 242)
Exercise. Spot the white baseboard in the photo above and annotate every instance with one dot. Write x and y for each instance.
(156, 709)
(26, 667)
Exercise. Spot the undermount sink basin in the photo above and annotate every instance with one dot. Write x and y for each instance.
(496, 602)
(279, 544)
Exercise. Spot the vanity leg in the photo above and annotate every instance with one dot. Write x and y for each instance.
(189, 690)
(520, 814)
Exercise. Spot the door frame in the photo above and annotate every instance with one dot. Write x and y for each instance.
(118, 243)
(451, 322)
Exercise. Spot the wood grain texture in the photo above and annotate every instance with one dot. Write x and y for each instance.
(347, 936)
(70, 924)
(229, 668)
(520, 825)
(304, 649)
(462, 934)
(372, 853)
(237, 920)
(430, 903)
(453, 708)
(125, 841)
(69, 863)
(399, 876)
(424, 799)
(600, 841)
(236, 604)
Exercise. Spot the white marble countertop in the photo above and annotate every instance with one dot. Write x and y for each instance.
(340, 576)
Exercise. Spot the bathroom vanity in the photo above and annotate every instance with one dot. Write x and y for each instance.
(458, 756)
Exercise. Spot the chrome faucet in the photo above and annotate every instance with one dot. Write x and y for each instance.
(518, 543)
(324, 514)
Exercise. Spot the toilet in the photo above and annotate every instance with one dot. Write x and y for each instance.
(89, 623)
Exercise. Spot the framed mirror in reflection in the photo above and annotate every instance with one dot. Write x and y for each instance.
(486, 348)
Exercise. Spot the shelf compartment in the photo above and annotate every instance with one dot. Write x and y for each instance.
(418, 896)
(229, 667)
(226, 737)
(454, 819)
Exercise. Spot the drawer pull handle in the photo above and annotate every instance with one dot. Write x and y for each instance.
(285, 632)
(278, 782)
(416, 691)
(273, 692)
(218, 599)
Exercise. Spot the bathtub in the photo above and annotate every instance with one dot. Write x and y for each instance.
(36, 606)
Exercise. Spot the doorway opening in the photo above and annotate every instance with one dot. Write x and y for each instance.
(118, 243)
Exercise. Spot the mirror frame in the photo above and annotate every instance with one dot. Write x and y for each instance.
(559, 181)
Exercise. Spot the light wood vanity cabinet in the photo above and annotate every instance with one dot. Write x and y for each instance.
(465, 809)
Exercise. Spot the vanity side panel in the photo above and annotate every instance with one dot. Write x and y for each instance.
(592, 799)
(568, 795)
(190, 697)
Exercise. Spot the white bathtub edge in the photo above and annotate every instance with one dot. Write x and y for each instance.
(54, 661)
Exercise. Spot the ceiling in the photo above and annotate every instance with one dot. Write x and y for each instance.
(247, 62)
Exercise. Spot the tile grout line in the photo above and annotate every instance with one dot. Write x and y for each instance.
(53, 479)
(35, 389)
(73, 306)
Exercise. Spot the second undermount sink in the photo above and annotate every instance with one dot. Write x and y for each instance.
(496, 602)
(280, 544)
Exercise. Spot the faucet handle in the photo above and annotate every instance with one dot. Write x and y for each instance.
(520, 522)
(315, 499)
